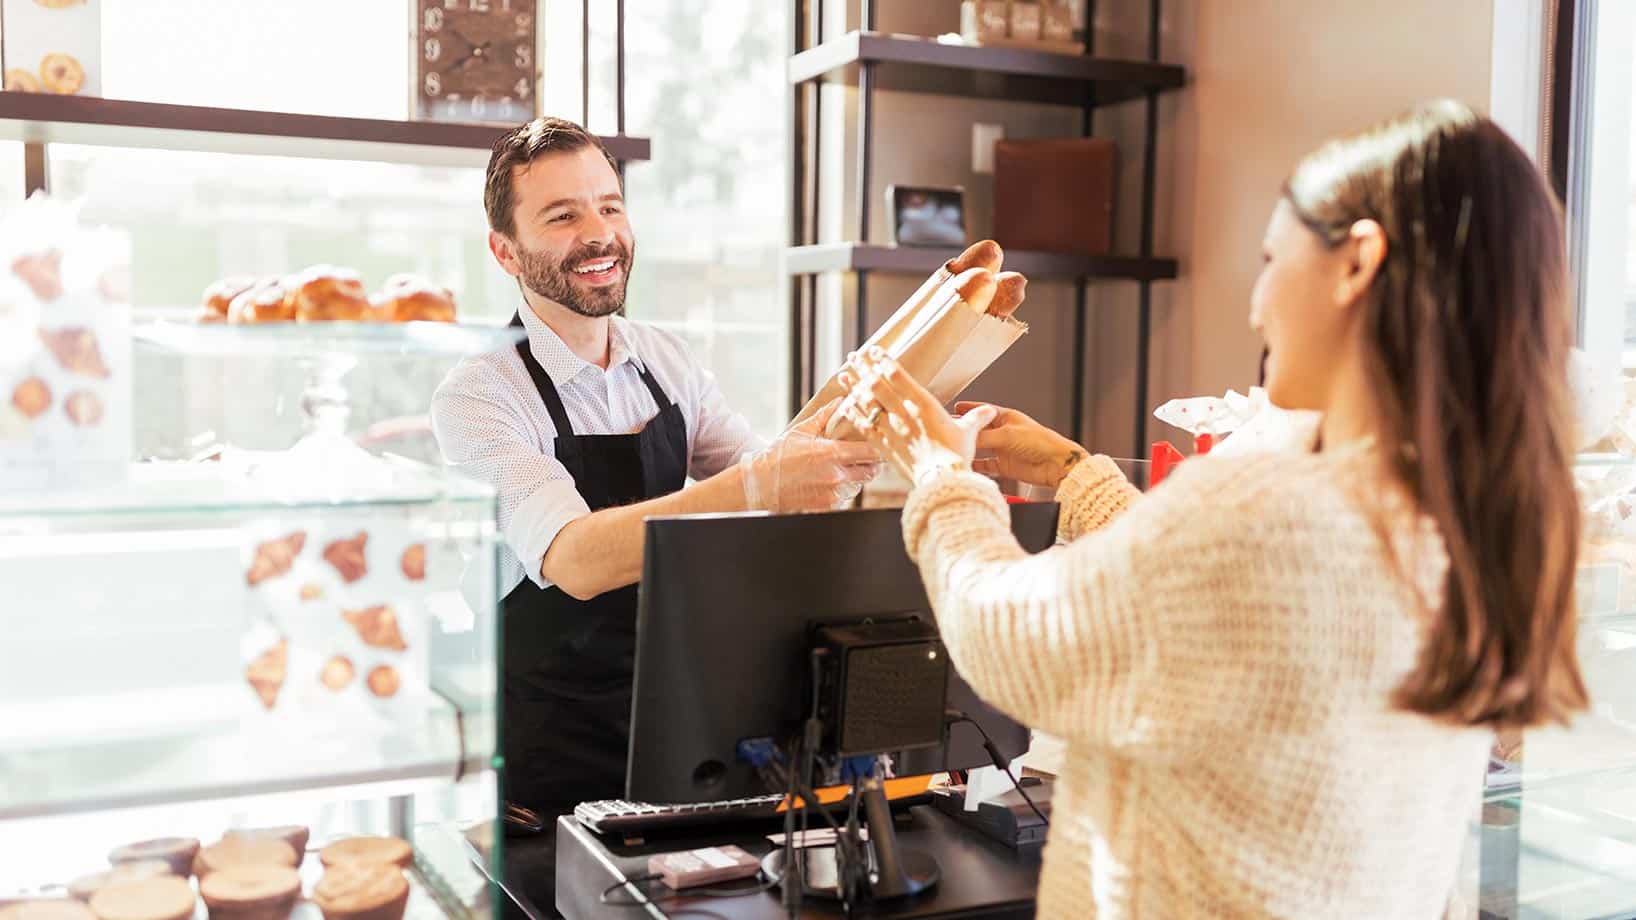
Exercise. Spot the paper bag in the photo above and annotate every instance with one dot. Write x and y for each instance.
(937, 338)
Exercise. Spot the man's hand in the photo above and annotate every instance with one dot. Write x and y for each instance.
(804, 471)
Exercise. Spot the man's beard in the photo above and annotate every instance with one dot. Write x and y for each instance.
(554, 279)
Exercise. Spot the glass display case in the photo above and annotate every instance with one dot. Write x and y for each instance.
(1558, 835)
(303, 637)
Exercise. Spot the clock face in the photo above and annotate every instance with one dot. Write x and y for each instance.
(475, 60)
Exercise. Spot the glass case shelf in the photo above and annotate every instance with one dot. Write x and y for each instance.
(176, 331)
(217, 754)
(159, 490)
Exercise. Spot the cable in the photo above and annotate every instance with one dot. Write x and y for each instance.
(639, 880)
(1002, 762)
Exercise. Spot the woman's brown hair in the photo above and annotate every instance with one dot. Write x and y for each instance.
(1469, 327)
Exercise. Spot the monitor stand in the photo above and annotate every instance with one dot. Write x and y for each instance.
(894, 872)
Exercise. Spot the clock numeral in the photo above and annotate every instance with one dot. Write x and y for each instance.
(451, 4)
(479, 6)
(524, 21)
(434, 49)
(434, 85)
(525, 56)
(523, 88)
(505, 6)
(479, 106)
(433, 19)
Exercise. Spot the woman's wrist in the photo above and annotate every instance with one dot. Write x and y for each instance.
(1073, 457)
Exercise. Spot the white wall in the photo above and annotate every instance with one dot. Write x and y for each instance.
(1268, 81)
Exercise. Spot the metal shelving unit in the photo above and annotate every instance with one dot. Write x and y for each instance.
(873, 62)
(36, 118)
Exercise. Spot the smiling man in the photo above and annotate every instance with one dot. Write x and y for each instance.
(587, 428)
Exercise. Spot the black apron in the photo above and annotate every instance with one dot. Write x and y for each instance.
(569, 663)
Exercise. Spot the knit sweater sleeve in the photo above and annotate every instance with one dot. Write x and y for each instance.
(1093, 495)
(1132, 636)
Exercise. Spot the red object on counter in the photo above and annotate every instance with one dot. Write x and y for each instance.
(1164, 457)
(1203, 442)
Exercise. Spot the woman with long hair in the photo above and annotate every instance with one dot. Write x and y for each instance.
(1278, 676)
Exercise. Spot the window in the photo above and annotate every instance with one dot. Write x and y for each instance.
(709, 212)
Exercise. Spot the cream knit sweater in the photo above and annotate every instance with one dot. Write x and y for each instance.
(1217, 658)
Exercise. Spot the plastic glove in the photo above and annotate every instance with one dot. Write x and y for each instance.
(802, 471)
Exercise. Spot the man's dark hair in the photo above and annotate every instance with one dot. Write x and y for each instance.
(521, 146)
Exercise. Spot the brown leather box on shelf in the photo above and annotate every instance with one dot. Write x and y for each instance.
(1054, 195)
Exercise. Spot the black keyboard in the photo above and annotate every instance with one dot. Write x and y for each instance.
(617, 816)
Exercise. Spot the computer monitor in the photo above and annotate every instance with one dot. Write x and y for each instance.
(724, 628)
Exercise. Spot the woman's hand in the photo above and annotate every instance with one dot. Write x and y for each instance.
(1023, 449)
(905, 423)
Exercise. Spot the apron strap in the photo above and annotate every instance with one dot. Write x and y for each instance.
(542, 383)
(659, 398)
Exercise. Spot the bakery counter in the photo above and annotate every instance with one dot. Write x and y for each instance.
(206, 630)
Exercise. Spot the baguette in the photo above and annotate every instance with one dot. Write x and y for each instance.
(1009, 293)
(983, 254)
(976, 287)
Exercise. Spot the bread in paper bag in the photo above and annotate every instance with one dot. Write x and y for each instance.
(948, 332)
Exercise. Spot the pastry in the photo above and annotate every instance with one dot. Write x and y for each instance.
(176, 852)
(251, 892)
(362, 891)
(266, 673)
(312, 591)
(61, 74)
(83, 408)
(166, 898)
(42, 272)
(87, 885)
(115, 285)
(275, 557)
(388, 851)
(383, 681)
(32, 397)
(75, 348)
(58, 4)
(1009, 293)
(19, 80)
(411, 298)
(348, 557)
(266, 301)
(324, 292)
(219, 296)
(337, 673)
(58, 909)
(295, 835)
(414, 562)
(377, 626)
(237, 850)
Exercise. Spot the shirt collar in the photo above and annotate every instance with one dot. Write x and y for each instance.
(560, 362)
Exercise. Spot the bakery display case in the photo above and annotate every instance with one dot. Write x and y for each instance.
(298, 644)
(1558, 836)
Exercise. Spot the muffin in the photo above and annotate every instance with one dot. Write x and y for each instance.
(381, 850)
(233, 852)
(87, 885)
(293, 834)
(176, 852)
(362, 891)
(167, 898)
(251, 892)
(59, 909)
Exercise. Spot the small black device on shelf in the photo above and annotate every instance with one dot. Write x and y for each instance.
(778, 654)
